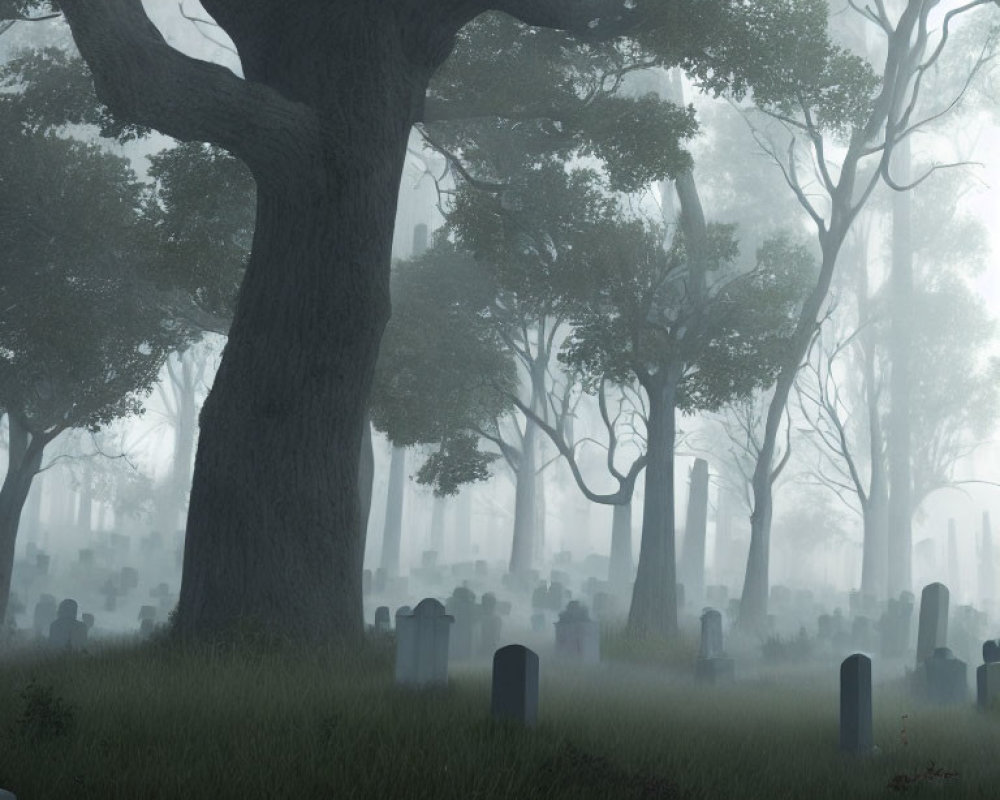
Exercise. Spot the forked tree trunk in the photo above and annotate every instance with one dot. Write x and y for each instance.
(522, 544)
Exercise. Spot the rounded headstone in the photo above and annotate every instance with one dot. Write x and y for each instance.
(991, 651)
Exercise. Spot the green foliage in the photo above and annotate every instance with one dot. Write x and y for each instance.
(441, 370)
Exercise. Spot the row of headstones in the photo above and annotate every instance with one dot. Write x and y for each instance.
(66, 632)
(423, 635)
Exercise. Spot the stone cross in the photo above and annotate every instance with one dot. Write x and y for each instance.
(515, 685)
(856, 704)
(933, 630)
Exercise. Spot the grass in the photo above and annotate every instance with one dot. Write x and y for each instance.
(150, 723)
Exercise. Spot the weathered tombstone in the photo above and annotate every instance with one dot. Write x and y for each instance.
(402, 611)
(162, 594)
(712, 664)
(66, 632)
(44, 615)
(366, 582)
(129, 578)
(946, 677)
(88, 620)
(147, 626)
(147, 612)
(514, 693)
(110, 592)
(933, 631)
(856, 704)
(382, 619)
(577, 635)
(988, 675)
(462, 607)
(422, 645)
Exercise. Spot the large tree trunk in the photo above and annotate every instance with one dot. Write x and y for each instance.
(24, 457)
(366, 478)
(654, 595)
(620, 564)
(901, 298)
(693, 554)
(185, 436)
(392, 531)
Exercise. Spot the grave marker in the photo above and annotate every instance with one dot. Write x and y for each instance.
(856, 704)
(933, 630)
(66, 632)
(422, 645)
(514, 693)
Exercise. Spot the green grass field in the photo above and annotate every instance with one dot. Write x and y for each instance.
(145, 722)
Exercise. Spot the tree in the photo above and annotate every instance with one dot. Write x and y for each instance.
(80, 341)
(321, 119)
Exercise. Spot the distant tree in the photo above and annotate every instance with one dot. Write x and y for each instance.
(81, 342)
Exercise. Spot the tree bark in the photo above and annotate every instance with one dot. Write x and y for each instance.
(620, 563)
(693, 554)
(654, 594)
(24, 458)
(521, 550)
(392, 531)
(901, 298)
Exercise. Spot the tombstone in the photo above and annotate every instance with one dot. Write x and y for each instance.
(538, 622)
(45, 614)
(382, 619)
(856, 704)
(933, 631)
(147, 612)
(419, 239)
(162, 594)
(577, 635)
(366, 582)
(147, 626)
(422, 645)
(381, 577)
(129, 578)
(713, 665)
(88, 620)
(462, 607)
(514, 694)
(894, 626)
(42, 561)
(945, 677)
(66, 632)
(110, 592)
(988, 675)
(402, 611)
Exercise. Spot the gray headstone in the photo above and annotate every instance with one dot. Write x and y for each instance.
(66, 632)
(987, 684)
(462, 606)
(44, 615)
(933, 630)
(382, 619)
(856, 704)
(577, 635)
(946, 678)
(515, 685)
(147, 612)
(991, 651)
(422, 645)
(711, 634)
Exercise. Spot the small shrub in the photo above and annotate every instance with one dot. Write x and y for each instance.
(45, 715)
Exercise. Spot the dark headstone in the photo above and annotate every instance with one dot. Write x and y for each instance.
(946, 678)
(382, 619)
(514, 694)
(933, 631)
(856, 704)
(991, 651)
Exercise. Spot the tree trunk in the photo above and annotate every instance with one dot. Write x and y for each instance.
(874, 559)
(901, 298)
(185, 436)
(366, 478)
(392, 532)
(654, 594)
(31, 517)
(437, 527)
(85, 510)
(24, 457)
(693, 555)
(620, 564)
(274, 537)
(521, 550)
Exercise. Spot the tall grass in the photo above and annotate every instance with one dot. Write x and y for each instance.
(152, 722)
